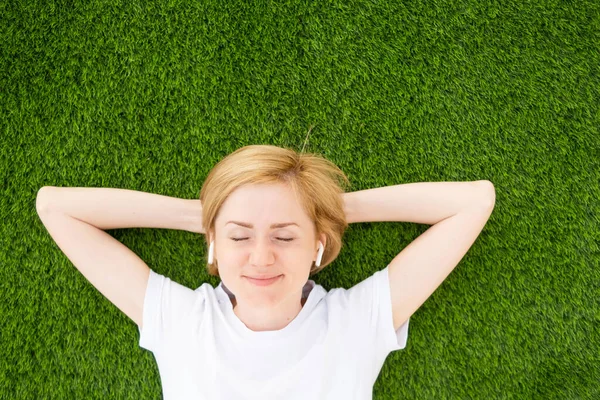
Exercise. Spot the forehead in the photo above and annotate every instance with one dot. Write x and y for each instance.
(263, 205)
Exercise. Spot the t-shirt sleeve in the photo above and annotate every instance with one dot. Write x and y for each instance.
(371, 302)
(167, 305)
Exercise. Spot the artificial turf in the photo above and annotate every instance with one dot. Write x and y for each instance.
(149, 96)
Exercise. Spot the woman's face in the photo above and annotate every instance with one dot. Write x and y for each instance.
(251, 240)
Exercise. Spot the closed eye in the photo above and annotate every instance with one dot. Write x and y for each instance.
(241, 239)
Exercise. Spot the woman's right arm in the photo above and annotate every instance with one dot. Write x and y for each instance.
(111, 208)
(76, 219)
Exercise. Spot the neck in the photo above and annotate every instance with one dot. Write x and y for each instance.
(259, 320)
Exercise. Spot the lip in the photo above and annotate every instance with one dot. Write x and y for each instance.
(263, 282)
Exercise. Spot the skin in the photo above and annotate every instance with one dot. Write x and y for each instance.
(273, 307)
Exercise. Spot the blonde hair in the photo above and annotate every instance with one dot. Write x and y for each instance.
(315, 181)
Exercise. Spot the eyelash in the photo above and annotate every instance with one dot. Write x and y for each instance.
(242, 239)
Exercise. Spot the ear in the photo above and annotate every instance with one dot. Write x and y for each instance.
(323, 239)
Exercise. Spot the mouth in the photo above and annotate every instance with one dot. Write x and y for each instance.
(263, 282)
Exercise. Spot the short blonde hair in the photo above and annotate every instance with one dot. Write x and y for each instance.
(315, 181)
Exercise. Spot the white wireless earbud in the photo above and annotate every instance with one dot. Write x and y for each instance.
(320, 254)
(211, 252)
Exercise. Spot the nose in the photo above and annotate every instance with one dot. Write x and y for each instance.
(262, 253)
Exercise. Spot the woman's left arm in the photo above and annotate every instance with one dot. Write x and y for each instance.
(421, 202)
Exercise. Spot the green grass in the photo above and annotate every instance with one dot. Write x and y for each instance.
(150, 96)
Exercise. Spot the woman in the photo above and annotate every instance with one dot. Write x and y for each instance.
(271, 219)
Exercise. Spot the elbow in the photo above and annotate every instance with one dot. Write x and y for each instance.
(488, 193)
(41, 199)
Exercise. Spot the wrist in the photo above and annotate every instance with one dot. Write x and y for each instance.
(349, 209)
(193, 216)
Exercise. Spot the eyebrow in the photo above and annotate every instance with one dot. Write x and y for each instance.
(247, 225)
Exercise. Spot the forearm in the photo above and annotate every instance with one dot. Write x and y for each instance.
(112, 208)
(420, 202)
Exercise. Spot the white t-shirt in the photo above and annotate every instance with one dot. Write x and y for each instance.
(333, 349)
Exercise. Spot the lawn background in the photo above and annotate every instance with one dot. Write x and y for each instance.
(150, 96)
